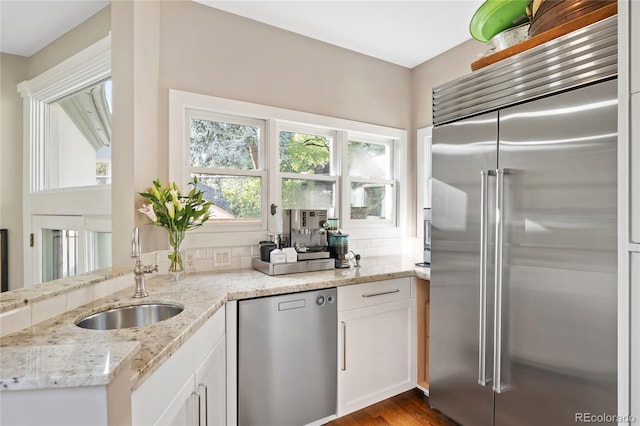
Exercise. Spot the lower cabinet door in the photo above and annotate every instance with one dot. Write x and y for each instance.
(376, 354)
(182, 410)
(211, 386)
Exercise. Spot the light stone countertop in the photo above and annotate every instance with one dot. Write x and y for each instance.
(201, 295)
(16, 298)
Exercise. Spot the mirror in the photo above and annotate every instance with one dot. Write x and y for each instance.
(74, 155)
(79, 142)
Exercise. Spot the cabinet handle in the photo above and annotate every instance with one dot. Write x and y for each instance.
(195, 409)
(397, 290)
(344, 346)
(206, 402)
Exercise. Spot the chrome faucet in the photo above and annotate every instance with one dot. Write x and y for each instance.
(139, 269)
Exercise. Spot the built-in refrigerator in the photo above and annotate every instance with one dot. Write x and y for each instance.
(523, 327)
(523, 274)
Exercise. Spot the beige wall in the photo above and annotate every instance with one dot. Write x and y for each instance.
(87, 33)
(13, 70)
(443, 68)
(209, 51)
(205, 50)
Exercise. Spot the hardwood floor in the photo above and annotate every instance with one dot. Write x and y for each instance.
(410, 408)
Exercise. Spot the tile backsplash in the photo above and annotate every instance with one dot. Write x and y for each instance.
(196, 260)
(202, 259)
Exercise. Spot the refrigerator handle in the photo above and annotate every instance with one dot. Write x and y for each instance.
(483, 378)
(498, 386)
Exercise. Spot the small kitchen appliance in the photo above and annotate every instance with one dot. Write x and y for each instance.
(339, 248)
(305, 231)
(426, 259)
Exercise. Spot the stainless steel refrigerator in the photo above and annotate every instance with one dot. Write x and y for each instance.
(523, 271)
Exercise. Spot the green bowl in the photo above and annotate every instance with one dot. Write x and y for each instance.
(495, 16)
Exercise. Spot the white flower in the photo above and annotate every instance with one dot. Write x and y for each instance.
(170, 209)
(148, 210)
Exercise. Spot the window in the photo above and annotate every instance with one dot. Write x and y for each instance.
(259, 160)
(371, 183)
(307, 169)
(225, 154)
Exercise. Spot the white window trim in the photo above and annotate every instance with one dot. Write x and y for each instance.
(423, 183)
(393, 180)
(85, 68)
(181, 101)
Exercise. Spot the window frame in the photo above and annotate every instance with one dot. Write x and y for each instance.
(424, 138)
(261, 171)
(277, 118)
(391, 180)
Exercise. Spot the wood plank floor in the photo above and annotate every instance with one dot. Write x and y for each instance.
(410, 408)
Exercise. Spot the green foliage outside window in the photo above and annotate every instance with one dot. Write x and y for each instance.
(302, 153)
(220, 145)
(224, 145)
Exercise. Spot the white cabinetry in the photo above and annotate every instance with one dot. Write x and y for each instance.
(634, 42)
(634, 165)
(376, 342)
(635, 334)
(189, 388)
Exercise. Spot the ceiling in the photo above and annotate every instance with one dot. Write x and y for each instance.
(406, 33)
(27, 26)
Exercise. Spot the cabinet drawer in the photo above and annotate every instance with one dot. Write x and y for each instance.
(373, 293)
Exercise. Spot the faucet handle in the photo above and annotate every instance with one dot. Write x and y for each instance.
(135, 243)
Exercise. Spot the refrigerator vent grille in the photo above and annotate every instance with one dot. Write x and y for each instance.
(584, 56)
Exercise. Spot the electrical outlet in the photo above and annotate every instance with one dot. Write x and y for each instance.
(221, 257)
(190, 256)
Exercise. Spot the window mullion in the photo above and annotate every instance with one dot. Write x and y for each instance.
(342, 201)
(225, 172)
(324, 178)
(274, 178)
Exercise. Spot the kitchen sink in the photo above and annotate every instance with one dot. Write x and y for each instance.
(130, 316)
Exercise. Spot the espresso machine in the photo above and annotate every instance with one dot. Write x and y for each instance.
(305, 230)
(303, 244)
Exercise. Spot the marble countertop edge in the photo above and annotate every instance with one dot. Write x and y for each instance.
(38, 367)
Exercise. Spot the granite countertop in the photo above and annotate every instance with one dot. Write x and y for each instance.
(16, 298)
(201, 294)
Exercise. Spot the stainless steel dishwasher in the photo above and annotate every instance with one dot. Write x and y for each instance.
(287, 358)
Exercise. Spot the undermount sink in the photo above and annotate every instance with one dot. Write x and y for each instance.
(130, 316)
